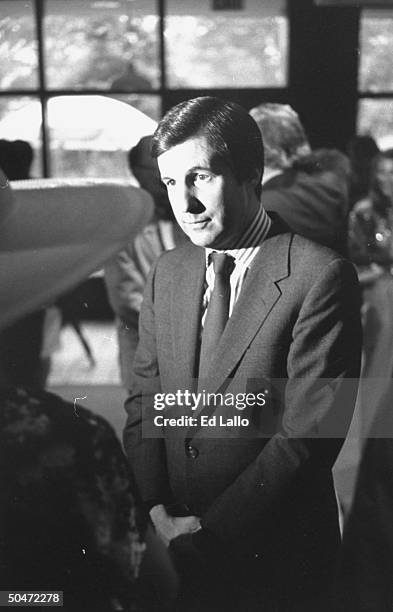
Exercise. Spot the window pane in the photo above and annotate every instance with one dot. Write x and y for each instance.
(375, 117)
(20, 119)
(90, 135)
(101, 45)
(376, 51)
(231, 48)
(18, 46)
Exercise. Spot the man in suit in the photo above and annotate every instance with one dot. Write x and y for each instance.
(263, 327)
(308, 189)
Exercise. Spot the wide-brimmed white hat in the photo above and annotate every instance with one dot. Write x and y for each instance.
(55, 232)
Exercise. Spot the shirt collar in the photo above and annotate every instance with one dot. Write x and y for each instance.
(252, 238)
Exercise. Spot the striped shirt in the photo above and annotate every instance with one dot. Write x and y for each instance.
(246, 250)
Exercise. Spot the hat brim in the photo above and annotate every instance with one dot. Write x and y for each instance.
(57, 232)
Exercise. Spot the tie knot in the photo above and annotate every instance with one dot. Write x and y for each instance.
(223, 264)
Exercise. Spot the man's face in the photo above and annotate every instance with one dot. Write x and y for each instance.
(209, 204)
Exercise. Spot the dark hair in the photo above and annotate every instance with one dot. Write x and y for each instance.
(380, 201)
(16, 157)
(140, 154)
(228, 127)
(144, 167)
(361, 151)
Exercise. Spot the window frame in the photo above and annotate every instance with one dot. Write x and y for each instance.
(167, 97)
(364, 95)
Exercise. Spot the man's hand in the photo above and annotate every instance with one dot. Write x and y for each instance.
(169, 527)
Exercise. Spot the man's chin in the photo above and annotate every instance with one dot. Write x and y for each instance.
(200, 241)
(201, 238)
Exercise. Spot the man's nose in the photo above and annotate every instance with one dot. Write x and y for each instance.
(190, 202)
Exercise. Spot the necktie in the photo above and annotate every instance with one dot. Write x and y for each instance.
(217, 311)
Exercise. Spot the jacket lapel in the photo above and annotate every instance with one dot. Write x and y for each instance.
(186, 301)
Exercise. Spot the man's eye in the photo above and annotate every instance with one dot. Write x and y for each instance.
(202, 177)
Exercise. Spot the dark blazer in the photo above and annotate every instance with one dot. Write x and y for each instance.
(313, 205)
(268, 497)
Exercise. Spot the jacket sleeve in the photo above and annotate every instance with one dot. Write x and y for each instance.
(146, 454)
(322, 368)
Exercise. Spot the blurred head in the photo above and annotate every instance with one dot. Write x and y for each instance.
(66, 503)
(16, 158)
(283, 135)
(362, 150)
(382, 174)
(145, 169)
(210, 155)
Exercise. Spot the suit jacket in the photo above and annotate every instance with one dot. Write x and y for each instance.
(313, 205)
(294, 333)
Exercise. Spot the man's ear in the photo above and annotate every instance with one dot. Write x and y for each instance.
(253, 184)
(255, 178)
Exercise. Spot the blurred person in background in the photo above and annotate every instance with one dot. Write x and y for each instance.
(126, 274)
(364, 581)
(371, 249)
(24, 357)
(371, 220)
(308, 189)
(130, 80)
(16, 158)
(67, 514)
(361, 152)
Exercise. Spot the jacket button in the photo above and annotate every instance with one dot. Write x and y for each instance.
(191, 451)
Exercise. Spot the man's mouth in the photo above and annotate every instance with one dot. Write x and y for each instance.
(197, 222)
